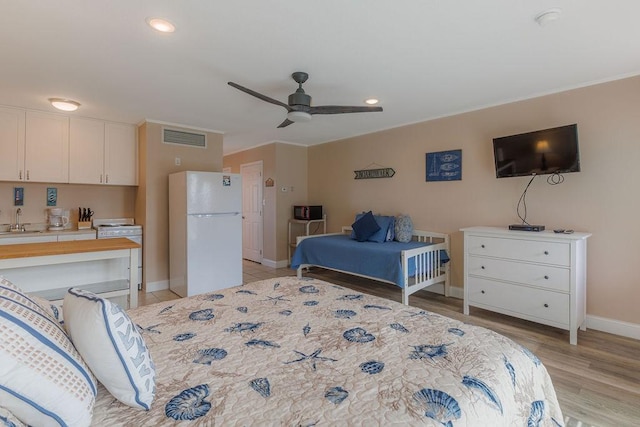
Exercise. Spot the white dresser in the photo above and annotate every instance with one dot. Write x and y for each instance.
(537, 276)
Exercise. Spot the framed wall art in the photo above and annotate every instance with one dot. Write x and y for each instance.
(444, 166)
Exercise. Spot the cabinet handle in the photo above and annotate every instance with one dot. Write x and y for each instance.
(20, 175)
(546, 252)
(482, 267)
(100, 178)
(482, 246)
(546, 305)
(546, 277)
(106, 179)
(482, 292)
(27, 175)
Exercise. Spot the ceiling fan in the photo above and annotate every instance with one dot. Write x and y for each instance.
(299, 108)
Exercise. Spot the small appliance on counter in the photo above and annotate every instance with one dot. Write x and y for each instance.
(57, 219)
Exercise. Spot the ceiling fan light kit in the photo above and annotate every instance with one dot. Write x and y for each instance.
(299, 107)
(298, 116)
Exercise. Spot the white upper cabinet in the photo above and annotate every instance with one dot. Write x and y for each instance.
(102, 153)
(120, 154)
(11, 144)
(46, 147)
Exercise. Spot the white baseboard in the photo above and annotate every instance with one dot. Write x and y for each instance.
(283, 263)
(616, 327)
(160, 285)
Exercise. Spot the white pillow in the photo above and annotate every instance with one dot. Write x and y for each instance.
(43, 379)
(111, 345)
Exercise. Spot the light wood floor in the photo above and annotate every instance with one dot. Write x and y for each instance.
(597, 381)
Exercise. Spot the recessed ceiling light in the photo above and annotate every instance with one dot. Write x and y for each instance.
(161, 25)
(548, 16)
(64, 104)
(371, 101)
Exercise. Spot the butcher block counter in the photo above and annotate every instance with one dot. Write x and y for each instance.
(106, 267)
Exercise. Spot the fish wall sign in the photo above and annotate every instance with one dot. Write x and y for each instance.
(444, 166)
(374, 173)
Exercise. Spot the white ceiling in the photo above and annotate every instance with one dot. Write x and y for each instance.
(422, 58)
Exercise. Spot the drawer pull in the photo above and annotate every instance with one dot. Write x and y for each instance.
(482, 267)
(482, 292)
(546, 252)
(546, 306)
(482, 246)
(546, 277)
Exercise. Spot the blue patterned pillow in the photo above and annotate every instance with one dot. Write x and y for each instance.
(387, 228)
(365, 227)
(43, 379)
(111, 345)
(404, 228)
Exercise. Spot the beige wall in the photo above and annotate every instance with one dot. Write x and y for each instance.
(107, 201)
(601, 199)
(157, 161)
(287, 165)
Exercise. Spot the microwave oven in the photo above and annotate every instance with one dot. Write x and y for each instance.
(307, 212)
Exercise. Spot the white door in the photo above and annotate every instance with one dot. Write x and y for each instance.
(252, 211)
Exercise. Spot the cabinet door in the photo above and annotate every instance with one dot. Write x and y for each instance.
(86, 151)
(11, 144)
(120, 154)
(47, 147)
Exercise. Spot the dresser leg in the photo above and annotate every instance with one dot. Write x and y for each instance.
(573, 337)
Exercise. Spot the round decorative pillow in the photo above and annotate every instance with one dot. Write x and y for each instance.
(404, 228)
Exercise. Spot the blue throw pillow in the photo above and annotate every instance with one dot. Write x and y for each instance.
(383, 222)
(365, 227)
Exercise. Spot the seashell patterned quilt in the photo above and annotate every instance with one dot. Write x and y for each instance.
(302, 352)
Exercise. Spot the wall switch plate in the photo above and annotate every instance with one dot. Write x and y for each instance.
(178, 161)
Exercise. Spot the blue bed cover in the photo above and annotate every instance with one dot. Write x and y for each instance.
(341, 252)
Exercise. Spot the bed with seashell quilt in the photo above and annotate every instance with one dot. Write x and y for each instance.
(291, 351)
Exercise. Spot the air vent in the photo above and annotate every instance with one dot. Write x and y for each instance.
(170, 136)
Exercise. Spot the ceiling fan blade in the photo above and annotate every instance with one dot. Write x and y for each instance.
(338, 109)
(286, 123)
(259, 95)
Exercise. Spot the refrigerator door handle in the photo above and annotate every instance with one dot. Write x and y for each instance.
(212, 215)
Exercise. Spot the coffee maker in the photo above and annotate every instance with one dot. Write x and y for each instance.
(58, 218)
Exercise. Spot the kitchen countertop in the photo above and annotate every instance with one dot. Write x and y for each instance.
(42, 231)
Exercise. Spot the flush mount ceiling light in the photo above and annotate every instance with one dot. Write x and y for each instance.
(548, 16)
(161, 25)
(64, 104)
(371, 101)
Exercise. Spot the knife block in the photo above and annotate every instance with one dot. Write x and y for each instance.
(84, 225)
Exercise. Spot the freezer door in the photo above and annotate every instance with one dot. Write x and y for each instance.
(213, 192)
(214, 252)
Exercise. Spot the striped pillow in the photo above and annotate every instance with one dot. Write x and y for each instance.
(43, 379)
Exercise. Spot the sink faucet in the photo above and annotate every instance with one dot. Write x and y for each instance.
(17, 226)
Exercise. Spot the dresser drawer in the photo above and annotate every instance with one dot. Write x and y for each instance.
(520, 301)
(539, 275)
(555, 253)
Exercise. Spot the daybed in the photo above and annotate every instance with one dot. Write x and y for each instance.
(301, 352)
(412, 266)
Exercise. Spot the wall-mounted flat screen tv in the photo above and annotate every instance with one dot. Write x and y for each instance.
(541, 152)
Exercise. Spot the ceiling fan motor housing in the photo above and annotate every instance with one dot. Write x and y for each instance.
(299, 98)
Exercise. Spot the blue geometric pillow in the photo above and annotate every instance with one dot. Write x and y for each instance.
(365, 227)
(111, 345)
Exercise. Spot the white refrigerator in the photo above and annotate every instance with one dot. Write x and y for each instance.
(205, 232)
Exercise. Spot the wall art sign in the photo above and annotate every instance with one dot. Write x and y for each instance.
(52, 196)
(269, 182)
(444, 166)
(18, 196)
(374, 173)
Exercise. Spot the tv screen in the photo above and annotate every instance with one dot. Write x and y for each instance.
(541, 152)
